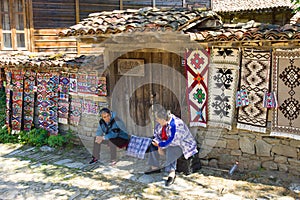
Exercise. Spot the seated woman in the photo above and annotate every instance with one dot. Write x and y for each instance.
(172, 135)
(112, 131)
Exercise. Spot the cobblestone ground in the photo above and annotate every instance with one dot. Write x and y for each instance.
(45, 173)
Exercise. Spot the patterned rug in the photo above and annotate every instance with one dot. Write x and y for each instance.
(75, 110)
(197, 76)
(17, 99)
(63, 101)
(255, 71)
(87, 84)
(28, 99)
(286, 76)
(90, 107)
(223, 73)
(8, 88)
(47, 97)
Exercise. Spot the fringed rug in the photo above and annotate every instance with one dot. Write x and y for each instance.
(286, 76)
(47, 101)
(17, 99)
(28, 99)
(63, 101)
(197, 76)
(255, 71)
(75, 110)
(223, 73)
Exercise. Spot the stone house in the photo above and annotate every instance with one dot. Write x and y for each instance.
(143, 54)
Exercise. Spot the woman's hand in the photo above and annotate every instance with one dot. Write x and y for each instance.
(155, 143)
(99, 139)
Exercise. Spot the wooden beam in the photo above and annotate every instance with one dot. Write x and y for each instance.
(121, 4)
(77, 10)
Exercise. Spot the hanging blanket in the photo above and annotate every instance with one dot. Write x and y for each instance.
(286, 75)
(223, 73)
(63, 101)
(17, 97)
(29, 84)
(255, 71)
(8, 88)
(75, 110)
(197, 76)
(87, 84)
(47, 97)
(137, 146)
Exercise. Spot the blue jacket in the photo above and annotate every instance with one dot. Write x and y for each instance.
(115, 128)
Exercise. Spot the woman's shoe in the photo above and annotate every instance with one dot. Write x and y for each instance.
(170, 180)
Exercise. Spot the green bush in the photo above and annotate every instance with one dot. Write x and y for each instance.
(2, 107)
(56, 140)
(37, 137)
(6, 137)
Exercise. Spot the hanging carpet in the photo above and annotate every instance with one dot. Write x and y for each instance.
(47, 98)
(8, 88)
(255, 71)
(28, 99)
(196, 65)
(75, 110)
(17, 99)
(223, 74)
(286, 76)
(63, 101)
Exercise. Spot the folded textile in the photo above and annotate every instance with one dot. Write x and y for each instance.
(270, 100)
(137, 146)
(242, 98)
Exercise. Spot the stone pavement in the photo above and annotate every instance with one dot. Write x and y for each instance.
(46, 173)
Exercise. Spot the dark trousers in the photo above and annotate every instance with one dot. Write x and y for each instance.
(113, 143)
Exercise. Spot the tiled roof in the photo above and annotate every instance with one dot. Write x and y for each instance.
(244, 5)
(250, 31)
(42, 61)
(144, 19)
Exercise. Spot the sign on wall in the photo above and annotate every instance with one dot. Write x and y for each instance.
(131, 67)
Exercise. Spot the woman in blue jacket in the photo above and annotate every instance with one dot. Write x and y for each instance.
(112, 131)
(172, 136)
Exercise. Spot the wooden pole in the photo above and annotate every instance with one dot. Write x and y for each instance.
(121, 4)
(77, 10)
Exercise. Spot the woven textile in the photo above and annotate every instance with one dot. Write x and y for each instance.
(8, 99)
(75, 110)
(223, 73)
(47, 98)
(28, 99)
(63, 101)
(87, 84)
(286, 76)
(137, 146)
(90, 107)
(102, 89)
(17, 99)
(255, 71)
(197, 93)
(270, 100)
(242, 98)
(73, 83)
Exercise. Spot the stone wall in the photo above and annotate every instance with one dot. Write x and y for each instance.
(254, 151)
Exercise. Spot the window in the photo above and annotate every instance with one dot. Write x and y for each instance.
(12, 25)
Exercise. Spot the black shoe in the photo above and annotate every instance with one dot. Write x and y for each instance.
(170, 180)
(93, 161)
(152, 171)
